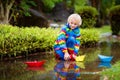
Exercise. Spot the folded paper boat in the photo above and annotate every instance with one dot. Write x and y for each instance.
(35, 63)
(105, 58)
(80, 58)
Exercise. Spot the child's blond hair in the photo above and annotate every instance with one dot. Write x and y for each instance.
(76, 17)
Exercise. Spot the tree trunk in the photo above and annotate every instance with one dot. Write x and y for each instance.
(5, 11)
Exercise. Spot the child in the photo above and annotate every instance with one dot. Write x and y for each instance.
(67, 44)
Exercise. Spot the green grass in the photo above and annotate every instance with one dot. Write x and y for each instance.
(104, 29)
(113, 72)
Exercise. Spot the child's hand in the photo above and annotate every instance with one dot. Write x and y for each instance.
(66, 56)
(74, 56)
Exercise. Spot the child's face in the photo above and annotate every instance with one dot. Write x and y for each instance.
(73, 23)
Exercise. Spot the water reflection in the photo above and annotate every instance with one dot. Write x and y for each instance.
(88, 70)
(104, 64)
(67, 70)
(35, 68)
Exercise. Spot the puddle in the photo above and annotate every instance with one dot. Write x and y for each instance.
(53, 70)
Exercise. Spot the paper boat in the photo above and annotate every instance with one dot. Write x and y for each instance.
(80, 58)
(35, 63)
(105, 58)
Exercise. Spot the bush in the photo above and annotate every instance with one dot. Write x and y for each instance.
(89, 37)
(15, 41)
(89, 16)
(114, 16)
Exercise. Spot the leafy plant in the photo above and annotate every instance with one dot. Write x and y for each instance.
(89, 37)
(89, 15)
(50, 4)
(11, 9)
(114, 19)
(17, 41)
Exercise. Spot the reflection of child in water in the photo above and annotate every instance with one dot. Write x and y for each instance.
(67, 71)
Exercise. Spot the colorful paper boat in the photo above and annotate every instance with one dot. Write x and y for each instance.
(105, 58)
(35, 63)
(80, 58)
